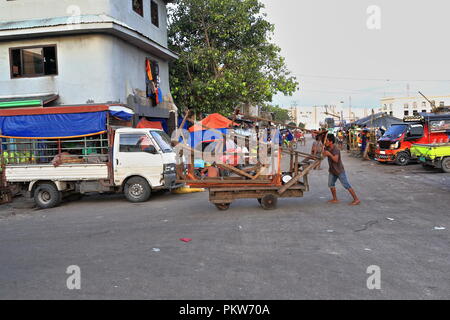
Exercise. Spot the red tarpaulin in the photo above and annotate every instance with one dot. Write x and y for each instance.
(214, 121)
(149, 125)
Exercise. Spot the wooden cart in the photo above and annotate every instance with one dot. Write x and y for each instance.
(251, 181)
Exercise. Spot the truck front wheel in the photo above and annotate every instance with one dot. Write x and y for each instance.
(137, 190)
(47, 196)
(402, 159)
(446, 165)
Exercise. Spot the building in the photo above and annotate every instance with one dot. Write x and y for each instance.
(314, 117)
(64, 52)
(400, 107)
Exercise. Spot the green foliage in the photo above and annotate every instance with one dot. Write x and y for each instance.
(279, 114)
(226, 58)
(301, 125)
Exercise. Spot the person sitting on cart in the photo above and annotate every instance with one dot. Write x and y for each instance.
(337, 171)
(211, 171)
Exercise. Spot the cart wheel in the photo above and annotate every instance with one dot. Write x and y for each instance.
(269, 202)
(223, 206)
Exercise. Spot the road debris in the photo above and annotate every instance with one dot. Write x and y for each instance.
(439, 228)
(186, 240)
(367, 225)
(156, 250)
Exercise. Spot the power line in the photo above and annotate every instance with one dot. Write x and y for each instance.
(368, 79)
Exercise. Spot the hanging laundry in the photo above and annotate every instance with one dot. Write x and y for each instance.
(160, 95)
(157, 96)
(149, 70)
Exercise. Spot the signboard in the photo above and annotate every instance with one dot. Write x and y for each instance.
(440, 125)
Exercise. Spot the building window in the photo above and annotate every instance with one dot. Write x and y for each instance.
(424, 104)
(406, 113)
(138, 7)
(441, 104)
(155, 13)
(33, 62)
(424, 111)
(415, 105)
(391, 113)
(406, 106)
(415, 112)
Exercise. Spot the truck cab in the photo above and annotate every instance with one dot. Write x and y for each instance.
(146, 158)
(395, 145)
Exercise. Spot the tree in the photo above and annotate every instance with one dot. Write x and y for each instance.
(279, 114)
(226, 58)
(301, 125)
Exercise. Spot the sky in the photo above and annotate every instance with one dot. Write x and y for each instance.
(329, 47)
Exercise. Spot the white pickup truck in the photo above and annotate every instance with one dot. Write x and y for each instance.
(135, 162)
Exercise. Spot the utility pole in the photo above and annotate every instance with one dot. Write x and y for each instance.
(350, 108)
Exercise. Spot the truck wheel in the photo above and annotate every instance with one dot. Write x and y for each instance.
(269, 202)
(137, 190)
(47, 196)
(446, 165)
(402, 159)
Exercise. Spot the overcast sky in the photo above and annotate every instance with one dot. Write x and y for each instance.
(327, 40)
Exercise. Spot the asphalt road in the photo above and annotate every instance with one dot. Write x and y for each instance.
(307, 249)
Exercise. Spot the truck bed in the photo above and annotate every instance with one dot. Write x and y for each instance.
(64, 172)
(431, 151)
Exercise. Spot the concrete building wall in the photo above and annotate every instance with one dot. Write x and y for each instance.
(121, 10)
(92, 68)
(399, 107)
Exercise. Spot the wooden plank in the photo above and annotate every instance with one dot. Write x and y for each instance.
(296, 178)
(213, 182)
(299, 186)
(235, 170)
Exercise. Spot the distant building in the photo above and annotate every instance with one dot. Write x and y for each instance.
(314, 117)
(62, 52)
(400, 107)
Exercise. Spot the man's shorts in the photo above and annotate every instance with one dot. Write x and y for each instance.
(342, 178)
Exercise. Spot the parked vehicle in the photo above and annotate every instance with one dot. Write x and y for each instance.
(135, 162)
(425, 128)
(433, 155)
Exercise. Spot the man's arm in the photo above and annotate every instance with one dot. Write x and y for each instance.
(334, 158)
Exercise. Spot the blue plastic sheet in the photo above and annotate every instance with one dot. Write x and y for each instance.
(122, 115)
(53, 125)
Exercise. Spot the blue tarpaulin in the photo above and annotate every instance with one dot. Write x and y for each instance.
(207, 135)
(53, 125)
(121, 115)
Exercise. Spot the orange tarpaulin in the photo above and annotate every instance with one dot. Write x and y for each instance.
(214, 121)
(149, 125)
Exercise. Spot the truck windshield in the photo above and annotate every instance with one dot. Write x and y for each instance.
(395, 131)
(163, 141)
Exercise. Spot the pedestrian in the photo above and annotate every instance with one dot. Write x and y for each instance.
(316, 149)
(337, 171)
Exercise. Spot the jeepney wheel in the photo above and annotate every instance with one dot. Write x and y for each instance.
(269, 202)
(222, 206)
(137, 190)
(47, 196)
(446, 165)
(402, 159)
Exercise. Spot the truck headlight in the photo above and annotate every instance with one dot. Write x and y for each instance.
(395, 145)
(169, 168)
